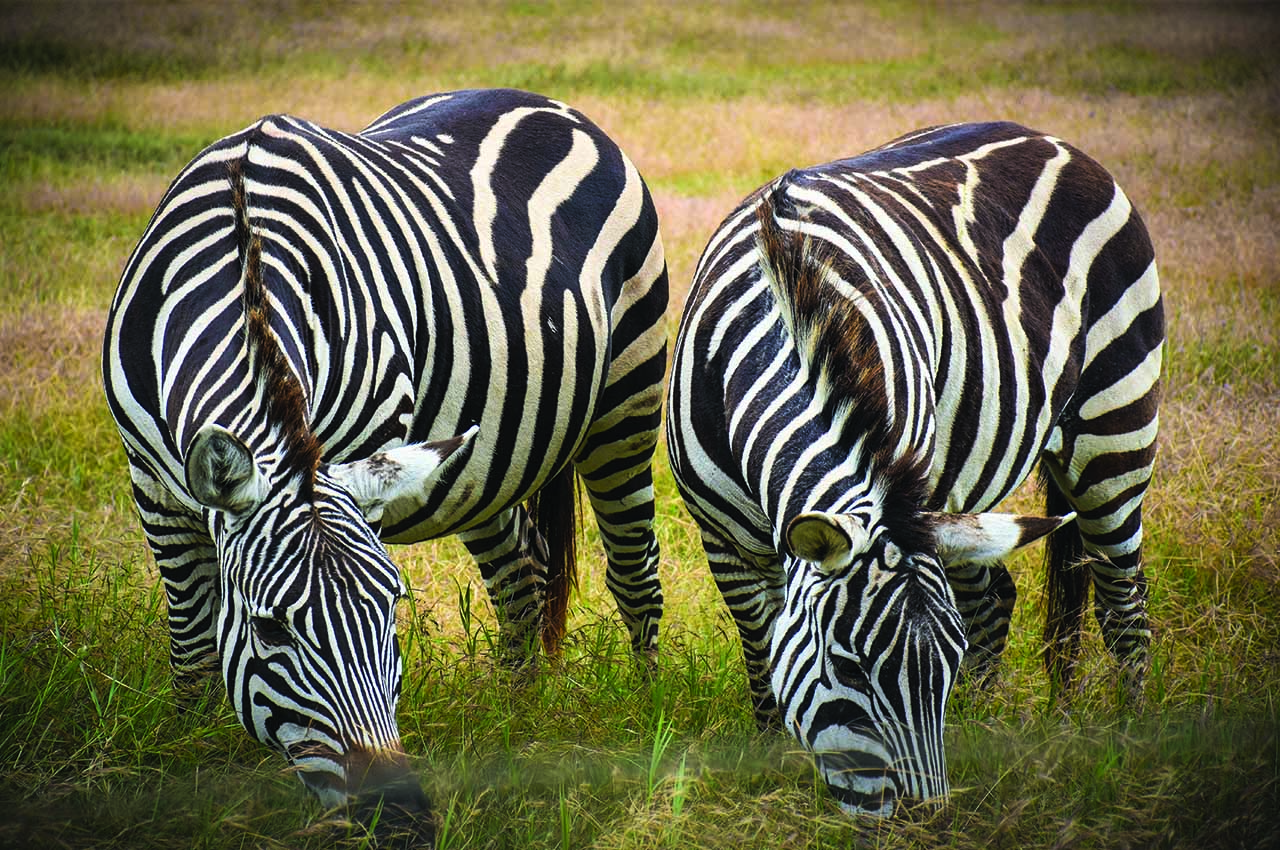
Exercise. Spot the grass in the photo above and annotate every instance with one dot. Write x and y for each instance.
(101, 104)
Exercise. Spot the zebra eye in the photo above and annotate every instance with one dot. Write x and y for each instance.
(849, 671)
(272, 631)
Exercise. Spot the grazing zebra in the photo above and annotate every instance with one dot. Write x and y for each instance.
(874, 353)
(325, 341)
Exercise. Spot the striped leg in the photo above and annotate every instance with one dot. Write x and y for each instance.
(753, 591)
(1120, 605)
(615, 461)
(624, 516)
(188, 564)
(1099, 460)
(985, 596)
(512, 558)
(1110, 524)
(1107, 494)
(620, 487)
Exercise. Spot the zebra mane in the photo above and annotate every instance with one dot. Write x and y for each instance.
(839, 349)
(286, 401)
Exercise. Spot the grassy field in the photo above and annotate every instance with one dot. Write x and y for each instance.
(102, 102)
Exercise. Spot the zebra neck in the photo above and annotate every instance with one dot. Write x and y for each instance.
(886, 491)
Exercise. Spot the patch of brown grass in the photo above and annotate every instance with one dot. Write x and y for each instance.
(49, 359)
(1188, 31)
(1218, 472)
(687, 223)
(1220, 263)
(117, 194)
(49, 373)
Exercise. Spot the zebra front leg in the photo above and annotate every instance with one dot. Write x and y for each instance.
(753, 592)
(985, 597)
(512, 560)
(188, 564)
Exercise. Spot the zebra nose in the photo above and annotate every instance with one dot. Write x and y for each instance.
(399, 815)
(385, 777)
(402, 797)
(389, 798)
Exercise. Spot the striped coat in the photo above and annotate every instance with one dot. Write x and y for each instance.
(325, 341)
(875, 352)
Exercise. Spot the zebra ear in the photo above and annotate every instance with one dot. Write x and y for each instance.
(981, 538)
(221, 472)
(829, 541)
(397, 473)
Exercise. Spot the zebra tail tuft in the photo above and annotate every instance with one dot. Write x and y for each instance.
(554, 512)
(1066, 591)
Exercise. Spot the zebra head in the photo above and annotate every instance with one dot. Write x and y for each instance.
(869, 644)
(307, 614)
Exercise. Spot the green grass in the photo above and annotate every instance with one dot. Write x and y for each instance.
(103, 103)
(656, 49)
(78, 150)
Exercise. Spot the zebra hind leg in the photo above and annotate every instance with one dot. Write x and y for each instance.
(624, 512)
(615, 464)
(512, 558)
(1100, 455)
(615, 460)
(1120, 606)
(985, 596)
(1102, 548)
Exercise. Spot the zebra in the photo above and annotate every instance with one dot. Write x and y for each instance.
(874, 353)
(325, 342)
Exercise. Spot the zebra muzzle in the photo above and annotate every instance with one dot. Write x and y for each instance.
(388, 797)
(384, 775)
(371, 780)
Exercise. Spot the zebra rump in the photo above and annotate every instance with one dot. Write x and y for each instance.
(874, 353)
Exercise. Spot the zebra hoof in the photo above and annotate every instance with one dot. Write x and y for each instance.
(194, 691)
(647, 662)
(517, 653)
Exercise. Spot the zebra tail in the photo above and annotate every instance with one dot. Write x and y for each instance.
(554, 512)
(1066, 591)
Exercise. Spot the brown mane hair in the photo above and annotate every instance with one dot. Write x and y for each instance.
(839, 348)
(286, 401)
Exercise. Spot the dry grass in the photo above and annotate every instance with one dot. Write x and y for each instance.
(50, 380)
(49, 358)
(1188, 33)
(124, 195)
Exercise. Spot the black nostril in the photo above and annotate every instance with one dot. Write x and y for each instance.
(407, 796)
(399, 814)
(400, 798)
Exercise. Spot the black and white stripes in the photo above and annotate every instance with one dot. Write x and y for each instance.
(876, 351)
(325, 338)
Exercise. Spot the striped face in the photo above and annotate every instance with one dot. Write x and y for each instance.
(865, 652)
(307, 617)
(307, 634)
